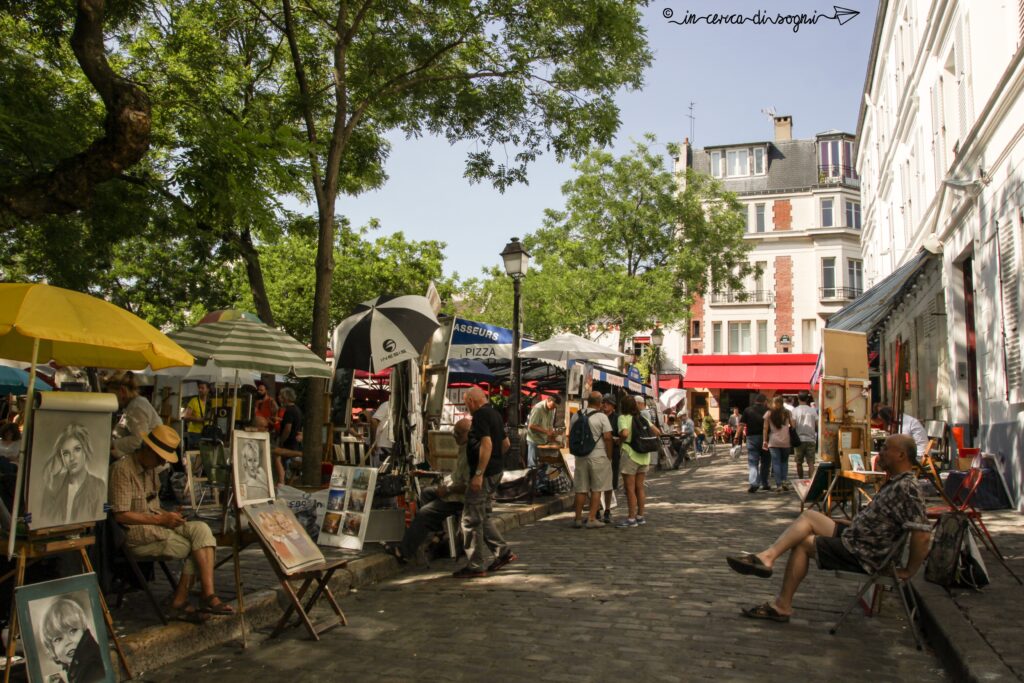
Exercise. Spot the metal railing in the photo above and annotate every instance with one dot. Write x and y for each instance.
(844, 293)
(743, 296)
(834, 173)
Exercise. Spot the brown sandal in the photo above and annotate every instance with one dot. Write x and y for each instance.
(218, 608)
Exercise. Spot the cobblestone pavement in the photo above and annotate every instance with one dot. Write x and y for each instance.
(652, 603)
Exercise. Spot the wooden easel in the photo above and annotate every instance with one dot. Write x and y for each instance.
(321, 575)
(46, 543)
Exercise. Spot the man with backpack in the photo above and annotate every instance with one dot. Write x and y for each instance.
(590, 440)
(861, 546)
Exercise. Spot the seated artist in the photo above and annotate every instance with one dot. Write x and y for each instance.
(153, 532)
(437, 504)
(859, 547)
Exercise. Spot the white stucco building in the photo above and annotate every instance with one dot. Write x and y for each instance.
(941, 161)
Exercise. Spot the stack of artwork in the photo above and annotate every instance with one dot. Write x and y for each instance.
(348, 507)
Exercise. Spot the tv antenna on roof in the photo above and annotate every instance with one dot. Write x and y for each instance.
(771, 114)
(692, 119)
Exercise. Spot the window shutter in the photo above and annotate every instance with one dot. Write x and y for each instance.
(1008, 279)
(963, 79)
(937, 137)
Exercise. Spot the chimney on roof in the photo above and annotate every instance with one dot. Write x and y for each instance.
(783, 128)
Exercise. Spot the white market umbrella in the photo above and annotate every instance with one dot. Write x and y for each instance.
(566, 347)
(671, 397)
(384, 332)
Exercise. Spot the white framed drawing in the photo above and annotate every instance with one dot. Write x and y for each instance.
(251, 468)
(348, 507)
(857, 462)
(69, 461)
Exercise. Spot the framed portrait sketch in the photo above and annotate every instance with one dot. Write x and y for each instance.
(251, 468)
(281, 532)
(69, 461)
(63, 632)
(348, 507)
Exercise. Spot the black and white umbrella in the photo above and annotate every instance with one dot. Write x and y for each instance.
(384, 332)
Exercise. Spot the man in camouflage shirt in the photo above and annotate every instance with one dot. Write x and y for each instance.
(860, 547)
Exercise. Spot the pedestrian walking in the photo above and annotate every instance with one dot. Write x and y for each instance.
(805, 418)
(777, 423)
(758, 460)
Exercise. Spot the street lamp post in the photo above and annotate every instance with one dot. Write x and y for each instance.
(517, 260)
(657, 339)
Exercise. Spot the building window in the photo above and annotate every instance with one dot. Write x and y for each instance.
(835, 160)
(738, 164)
(717, 169)
(826, 212)
(828, 278)
(758, 217)
(696, 329)
(758, 161)
(809, 329)
(854, 277)
(716, 337)
(762, 336)
(853, 214)
(739, 337)
(639, 347)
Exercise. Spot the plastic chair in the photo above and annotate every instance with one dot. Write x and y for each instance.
(885, 577)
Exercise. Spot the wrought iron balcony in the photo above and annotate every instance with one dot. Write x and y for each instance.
(743, 296)
(833, 174)
(840, 293)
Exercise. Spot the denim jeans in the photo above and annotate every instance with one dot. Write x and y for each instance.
(780, 464)
(757, 462)
(531, 454)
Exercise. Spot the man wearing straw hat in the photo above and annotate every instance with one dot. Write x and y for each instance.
(156, 533)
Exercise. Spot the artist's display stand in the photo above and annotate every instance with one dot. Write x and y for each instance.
(320, 575)
(47, 543)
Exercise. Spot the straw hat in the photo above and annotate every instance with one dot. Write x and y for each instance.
(164, 442)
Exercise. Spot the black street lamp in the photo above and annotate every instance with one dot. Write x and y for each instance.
(657, 339)
(517, 260)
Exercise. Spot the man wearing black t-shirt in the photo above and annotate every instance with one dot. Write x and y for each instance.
(759, 460)
(487, 442)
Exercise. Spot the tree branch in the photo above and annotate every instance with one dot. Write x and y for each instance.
(69, 186)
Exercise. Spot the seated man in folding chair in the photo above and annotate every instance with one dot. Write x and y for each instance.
(153, 532)
(861, 546)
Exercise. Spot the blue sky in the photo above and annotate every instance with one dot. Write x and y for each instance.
(816, 75)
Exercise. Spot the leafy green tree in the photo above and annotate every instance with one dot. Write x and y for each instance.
(520, 77)
(632, 247)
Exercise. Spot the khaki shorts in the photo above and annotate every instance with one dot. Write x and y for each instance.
(593, 474)
(631, 468)
(179, 545)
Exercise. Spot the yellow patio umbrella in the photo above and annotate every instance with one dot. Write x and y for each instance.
(40, 323)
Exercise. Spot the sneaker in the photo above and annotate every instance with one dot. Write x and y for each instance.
(468, 573)
(577, 524)
(506, 557)
(626, 524)
(766, 487)
(594, 524)
(607, 517)
(640, 521)
(753, 489)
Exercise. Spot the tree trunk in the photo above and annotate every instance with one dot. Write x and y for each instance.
(254, 273)
(312, 442)
(69, 186)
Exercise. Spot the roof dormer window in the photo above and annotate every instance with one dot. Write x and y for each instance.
(738, 163)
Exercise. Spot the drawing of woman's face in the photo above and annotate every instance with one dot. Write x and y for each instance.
(251, 460)
(65, 643)
(72, 452)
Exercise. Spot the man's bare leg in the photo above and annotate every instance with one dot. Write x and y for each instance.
(796, 570)
(595, 506)
(809, 523)
(581, 498)
(204, 559)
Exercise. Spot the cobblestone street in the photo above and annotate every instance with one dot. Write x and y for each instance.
(652, 603)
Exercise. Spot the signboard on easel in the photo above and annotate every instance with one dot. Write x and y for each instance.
(844, 396)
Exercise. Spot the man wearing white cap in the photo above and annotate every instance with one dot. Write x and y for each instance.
(153, 532)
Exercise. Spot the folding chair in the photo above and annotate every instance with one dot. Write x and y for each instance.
(884, 577)
(351, 451)
(119, 541)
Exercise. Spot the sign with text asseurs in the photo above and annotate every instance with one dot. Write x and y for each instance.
(471, 339)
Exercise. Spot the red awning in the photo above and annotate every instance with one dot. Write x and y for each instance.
(670, 381)
(778, 372)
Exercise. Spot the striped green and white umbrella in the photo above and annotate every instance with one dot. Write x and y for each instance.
(249, 345)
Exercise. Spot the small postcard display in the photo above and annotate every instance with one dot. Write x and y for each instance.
(348, 507)
(282, 533)
(251, 467)
(69, 460)
(63, 630)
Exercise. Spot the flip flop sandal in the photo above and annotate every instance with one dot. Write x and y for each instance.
(749, 564)
(221, 609)
(766, 611)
